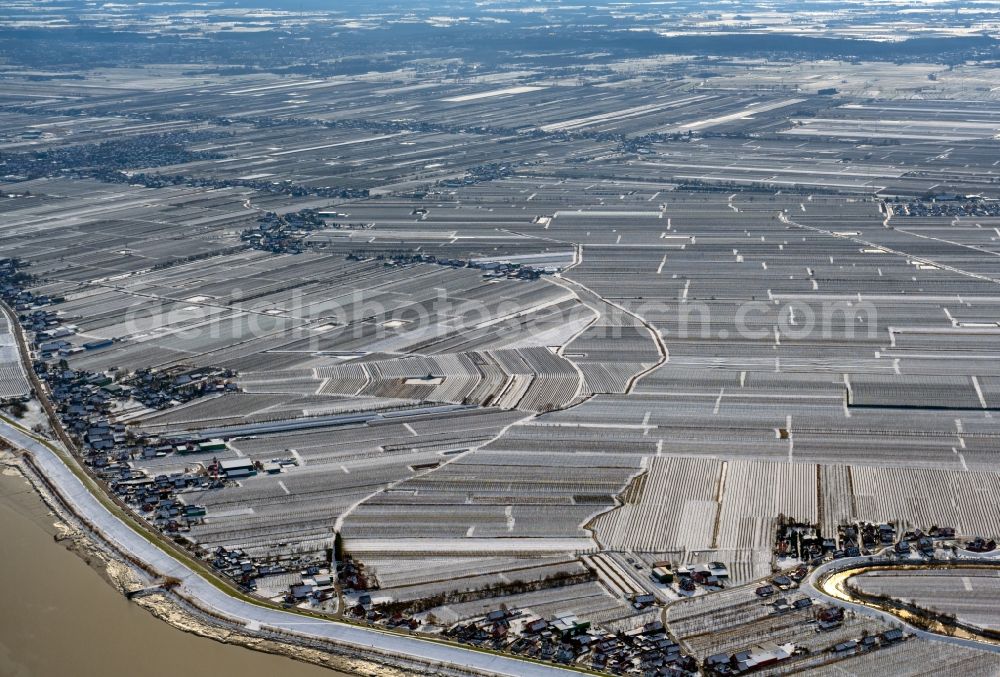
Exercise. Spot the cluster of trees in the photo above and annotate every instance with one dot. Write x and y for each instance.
(517, 587)
(920, 616)
(15, 407)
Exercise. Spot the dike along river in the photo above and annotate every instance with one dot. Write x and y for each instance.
(59, 617)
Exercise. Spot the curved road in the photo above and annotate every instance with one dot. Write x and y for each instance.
(213, 600)
(814, 583)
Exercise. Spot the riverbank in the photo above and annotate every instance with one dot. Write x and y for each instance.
(56, 565)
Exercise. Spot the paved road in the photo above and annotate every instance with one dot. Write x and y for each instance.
(812, 584)
(212, 599)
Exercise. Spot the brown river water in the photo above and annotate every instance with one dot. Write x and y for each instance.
(58, 617)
